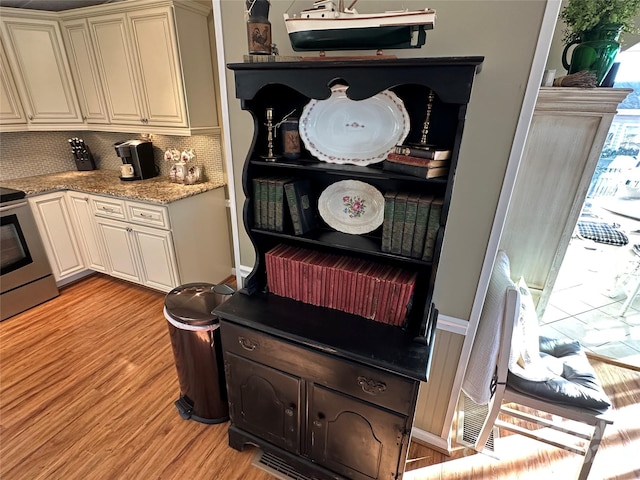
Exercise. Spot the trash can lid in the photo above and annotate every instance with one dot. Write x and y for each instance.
(193, 303)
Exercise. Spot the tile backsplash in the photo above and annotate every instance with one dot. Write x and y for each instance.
(24, 154)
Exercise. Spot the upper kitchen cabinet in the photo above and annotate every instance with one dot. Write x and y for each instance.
(11, 112)
(37, 59)
(85, 71)
(154, 63)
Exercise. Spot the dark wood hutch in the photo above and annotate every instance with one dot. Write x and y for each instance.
(331, 393)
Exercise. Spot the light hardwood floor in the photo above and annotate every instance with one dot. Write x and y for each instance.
(87, 385)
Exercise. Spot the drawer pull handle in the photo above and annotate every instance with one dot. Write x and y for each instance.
(146, 215)
(247, 344)
(107, 209)
(371, 386)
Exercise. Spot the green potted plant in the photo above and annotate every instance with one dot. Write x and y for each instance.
(596, 25)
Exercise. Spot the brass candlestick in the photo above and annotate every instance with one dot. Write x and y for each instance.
(425, 126)
(270, 156)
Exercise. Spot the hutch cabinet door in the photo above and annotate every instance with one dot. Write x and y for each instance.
(354, 438)
(264, 401)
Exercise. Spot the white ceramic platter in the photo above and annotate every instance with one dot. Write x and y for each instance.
(351, 206)
(341, 130)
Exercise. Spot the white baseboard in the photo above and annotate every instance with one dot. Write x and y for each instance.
(74, 277)
(434, 441)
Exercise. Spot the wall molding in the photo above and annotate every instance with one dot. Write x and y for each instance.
(434, 441)
(226, 139)
(543, 45)
(452, 324)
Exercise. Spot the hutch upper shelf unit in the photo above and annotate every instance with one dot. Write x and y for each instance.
(331, 392)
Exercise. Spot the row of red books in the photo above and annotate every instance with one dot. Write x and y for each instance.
(372, 290)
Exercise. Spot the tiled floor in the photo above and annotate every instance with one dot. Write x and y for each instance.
(587, 300)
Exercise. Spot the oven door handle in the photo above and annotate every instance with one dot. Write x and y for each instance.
(15, 206)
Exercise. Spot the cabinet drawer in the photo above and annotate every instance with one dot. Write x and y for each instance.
(369, 384)
(109, 207)
(153, 215)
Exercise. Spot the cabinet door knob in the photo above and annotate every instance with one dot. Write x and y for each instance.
(247, 344)
(371, 386)
(317, 423)
(289, 412)
(86, 199)
(129, 229)
(30, 117)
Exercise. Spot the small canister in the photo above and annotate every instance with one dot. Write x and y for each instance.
(290, 138)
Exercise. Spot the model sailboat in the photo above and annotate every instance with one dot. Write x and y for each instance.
(327, 27)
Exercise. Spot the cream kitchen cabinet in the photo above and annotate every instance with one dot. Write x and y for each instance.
(154, 66)
(160, 246)
(37, 59)
(56, 228)
(11, 112)
(140, 254)
(84, 69)
(88, 236)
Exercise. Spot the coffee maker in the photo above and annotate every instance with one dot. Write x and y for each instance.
(138, 156)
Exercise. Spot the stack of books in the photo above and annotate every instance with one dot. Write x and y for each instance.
(361, 287)
(417, 161)
(411, 224)
(270, 208)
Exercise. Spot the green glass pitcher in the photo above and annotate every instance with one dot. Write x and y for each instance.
(596, 51)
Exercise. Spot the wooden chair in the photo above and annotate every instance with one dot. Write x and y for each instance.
(505, 395)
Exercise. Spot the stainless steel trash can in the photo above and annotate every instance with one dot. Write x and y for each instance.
(195, 339)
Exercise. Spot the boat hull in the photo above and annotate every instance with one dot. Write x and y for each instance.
(387, 37)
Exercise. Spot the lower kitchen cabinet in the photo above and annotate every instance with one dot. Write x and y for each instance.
(332, 417)
(87, 231)
(139, 254)
(56, 228)
(160, 246)
(120, 249)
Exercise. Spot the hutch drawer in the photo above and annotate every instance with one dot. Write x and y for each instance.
(368, 384)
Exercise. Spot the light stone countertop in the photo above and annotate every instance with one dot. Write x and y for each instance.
(107, 182)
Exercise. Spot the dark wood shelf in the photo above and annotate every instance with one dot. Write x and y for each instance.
(374, 172)
(331, 331)
(366, 244)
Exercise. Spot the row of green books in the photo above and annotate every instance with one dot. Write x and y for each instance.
(272, 212)
(411, 223)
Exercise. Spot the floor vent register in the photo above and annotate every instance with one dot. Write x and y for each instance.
(472, 418)
(276, 467)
